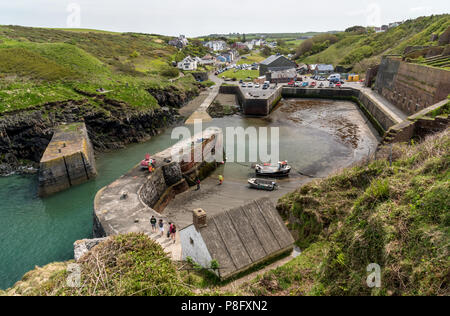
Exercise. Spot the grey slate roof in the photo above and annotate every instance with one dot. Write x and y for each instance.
(271, 59)
(246, 235)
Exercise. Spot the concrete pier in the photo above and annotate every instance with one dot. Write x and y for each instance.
(126, 205)
(68, 160)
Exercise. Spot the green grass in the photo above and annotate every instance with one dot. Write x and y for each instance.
(39, 66)
(128, 265)
(360, 52)
(252, 58)
(396, 216)
(241, 74)
(23, 95)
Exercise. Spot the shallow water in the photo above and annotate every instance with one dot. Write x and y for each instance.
(35, 231)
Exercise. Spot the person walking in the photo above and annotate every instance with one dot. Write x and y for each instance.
(221, 179)
(173, 232)
(161, 227)
(153, 222)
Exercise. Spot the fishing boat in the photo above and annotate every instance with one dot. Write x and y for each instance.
(282, 169)
(261, 184)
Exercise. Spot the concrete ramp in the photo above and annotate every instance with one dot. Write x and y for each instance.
(202, 111)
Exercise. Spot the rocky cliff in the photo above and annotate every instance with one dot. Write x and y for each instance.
(24, 135)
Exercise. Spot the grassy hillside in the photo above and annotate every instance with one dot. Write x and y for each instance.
(396, 216)
(125, 265)
(361, 51)
(40, 65)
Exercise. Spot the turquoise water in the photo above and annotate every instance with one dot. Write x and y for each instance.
(35, 231)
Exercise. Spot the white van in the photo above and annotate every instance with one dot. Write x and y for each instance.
(335, 77)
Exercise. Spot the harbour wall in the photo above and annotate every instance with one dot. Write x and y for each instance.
(127, 204)
(257, 105)
(374, 111)
(68, 160)
(411, 87)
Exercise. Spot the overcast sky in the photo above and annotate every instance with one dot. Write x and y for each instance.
(202, 17)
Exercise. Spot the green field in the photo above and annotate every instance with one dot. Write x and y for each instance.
(251, 58)
(39, 65)
(361, 51)
(241, 74)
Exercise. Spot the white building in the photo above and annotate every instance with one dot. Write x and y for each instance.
(216, 45)
(188, 63)
(236, 239)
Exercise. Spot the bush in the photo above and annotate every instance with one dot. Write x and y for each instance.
(170, 72)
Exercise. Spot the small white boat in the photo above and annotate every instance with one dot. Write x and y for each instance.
(282, 169)
(261, 184)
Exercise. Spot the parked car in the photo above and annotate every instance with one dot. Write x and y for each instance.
(244, 85)
(331, 85)
(313, 84)
(257, 86)
(241, 81)
(338, 85)
(305, 84)
(298, 84)
(291, 83)
(250, 85)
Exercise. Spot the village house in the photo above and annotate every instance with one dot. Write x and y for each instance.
(179, 42)
(216, 45)
(276, 63)
(207, 60)
(237, 239)
(188, 64)
(323, 69)
(282, 76)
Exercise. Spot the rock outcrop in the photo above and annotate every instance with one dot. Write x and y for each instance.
(25, 134)
(172, 97)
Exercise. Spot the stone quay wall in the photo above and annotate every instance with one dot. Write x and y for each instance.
(411, 87)
(255, 105)
(379, 118)
(68, 160)
(127, 204)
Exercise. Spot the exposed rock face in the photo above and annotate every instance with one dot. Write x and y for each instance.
(24, 135)
(172, 96)
(172, 173)
(81, 247)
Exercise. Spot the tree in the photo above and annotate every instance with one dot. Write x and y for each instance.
(356, 29)
(266, 51)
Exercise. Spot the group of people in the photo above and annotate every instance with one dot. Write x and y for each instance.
(171, 231)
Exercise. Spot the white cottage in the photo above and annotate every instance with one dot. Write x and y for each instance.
(188, 63)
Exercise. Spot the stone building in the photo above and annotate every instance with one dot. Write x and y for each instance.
(237, 239)
(276, 63)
